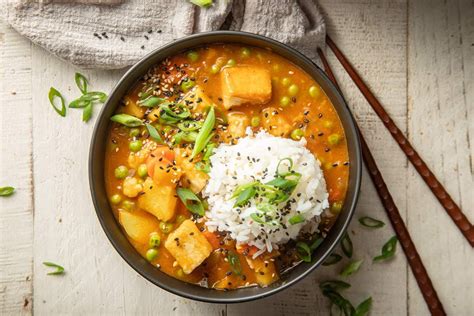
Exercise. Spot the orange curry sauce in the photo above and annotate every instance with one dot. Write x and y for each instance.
(313, 113)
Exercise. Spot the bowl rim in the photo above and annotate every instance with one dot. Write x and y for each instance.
(356, 165)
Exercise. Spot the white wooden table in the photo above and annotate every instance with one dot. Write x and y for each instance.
(417, 56)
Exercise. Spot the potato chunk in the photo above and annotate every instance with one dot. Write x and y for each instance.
(245, 84)
(131, 187)
(188, 246)
(138, 225)
(238, 122)
(131, 107)
(265, 270)
(274, 123)
(159, 200)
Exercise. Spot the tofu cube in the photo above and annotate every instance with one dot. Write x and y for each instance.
(159, 200)
(188, 246)
(274, 123)
(245, 84)
(238, 122)
(197, 100)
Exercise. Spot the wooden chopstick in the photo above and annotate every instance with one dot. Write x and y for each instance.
(421, 275)
(453, 210)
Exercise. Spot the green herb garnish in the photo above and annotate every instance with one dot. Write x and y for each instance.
(388, 250)
(187, 137)
(151, 101)
(202, 3)
(296, 219)
(87, 113)
(81, 82)
(371, 222)
(205, 133)
(332, 259)
(364, 307)
(303, 251)
(6, 191)
(127, 120)
(340, 301)
(346, 245)
(191, 201)
(234, 262)
(154, 133)
(54, 95)
(245, 196)
(189, 126)
(172, 113)
(334, 285)
(59, 270)
(352, 267)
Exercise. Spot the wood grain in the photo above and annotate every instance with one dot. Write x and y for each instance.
(441, 98)
(16, 211)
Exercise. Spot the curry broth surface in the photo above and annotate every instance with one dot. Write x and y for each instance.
(315, 115)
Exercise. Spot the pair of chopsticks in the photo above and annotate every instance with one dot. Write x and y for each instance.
(424, 282)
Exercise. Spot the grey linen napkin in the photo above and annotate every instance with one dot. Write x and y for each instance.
(116, 36)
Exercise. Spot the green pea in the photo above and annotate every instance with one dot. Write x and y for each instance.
(166, 227)
(334, 139)
(134, 132)
(296, 134)
(231, 62)
(336, 207)
(142, 170)
(121, 172)
(115, 199)
(192, 56)
(135, 145)
(328, 124)
(255, 121)
(284, 101)
(215, 69)
(286, 81)
(187, 85)
(151, 254)
(128, 205)
(155, 240)
(314, 91)
(180, 218)
(293, 90)
(245, 52)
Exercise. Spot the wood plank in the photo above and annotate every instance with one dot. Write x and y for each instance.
(67, 231)
(16, 212)
(441, 95)
(373, 35)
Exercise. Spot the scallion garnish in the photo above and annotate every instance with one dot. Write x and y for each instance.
(298, 218)
(172, 113)
(334, 285)
(151, 102)
(388, 250)
(189, 126)
(191, 201)
(6, 191)
(81, 82)
(87, 113)
(346, 245)
(363, 308)
(154, 133)
(245, 195)
(59, 270)
(205, 132)
(352, 267)
(187, 137)
(279, 170)
(234, 262)
(127, 120)
(371, 222)
(332, 259)
(340, 301)
(55, 95)
(303, 251)
(202, 3)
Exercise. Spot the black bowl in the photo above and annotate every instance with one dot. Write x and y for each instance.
(111, 226)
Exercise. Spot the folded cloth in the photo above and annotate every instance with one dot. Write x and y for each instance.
(116, 36)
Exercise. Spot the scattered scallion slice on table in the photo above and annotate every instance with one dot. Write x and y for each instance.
(205, 132)
(388, 250)
(202, 3)
(55, 95)
(127, 120)
(344, 305)
(334, 285)
(81, 82)
(59, 270)
(234, 262)
(191, 201)
(352, 268)
(154, 134)
(332, 259)
(87, 113)
(364, 307)
(6, 191)
(346, 245)
(368, 221)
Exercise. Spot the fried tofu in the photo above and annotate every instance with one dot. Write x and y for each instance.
(245, 85)
(188, 246)
(238, 122)
(159, 200)
(274, 123)
(197, 100)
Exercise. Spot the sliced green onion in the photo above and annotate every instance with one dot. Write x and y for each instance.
(87, 113)
(234, 262)
(371, 222)
(344, 305)
(257, 218)
(334, 285)
(296, 219)
(315, 244)
(59, 269)
(187, 137)
(332, 259)
(202, 3)
(208, 151)
(289, 168)
(351, 268)
(204, 133)
(151, 101)
(154, 133)
(85, 99)
(191, 201)
(127, 120)
(172, 113)
(303, 251)
(189, 126)
(6, 191)
(363, 308)
(81, 82)
(346, 245)
(245, 196)
(55, 94)
(203, 166)
(388, 250)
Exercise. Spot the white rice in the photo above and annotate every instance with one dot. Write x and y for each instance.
(245, 162)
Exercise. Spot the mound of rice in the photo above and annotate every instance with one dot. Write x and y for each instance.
(256, 157)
